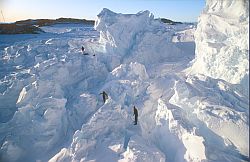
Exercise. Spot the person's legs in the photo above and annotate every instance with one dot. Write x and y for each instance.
(104, 99)
(136, 118)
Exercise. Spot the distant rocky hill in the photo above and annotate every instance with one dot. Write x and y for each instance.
(32, 26)
(19, 29)
(168, 21)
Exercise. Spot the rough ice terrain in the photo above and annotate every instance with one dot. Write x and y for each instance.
(51, 109)
(222, 42)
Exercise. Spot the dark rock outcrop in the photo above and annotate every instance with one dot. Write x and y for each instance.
(32, 26)
(19, 29)
(168, 21)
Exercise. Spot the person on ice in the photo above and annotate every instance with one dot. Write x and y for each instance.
(83, 51)
(136, 115)
(104, 96)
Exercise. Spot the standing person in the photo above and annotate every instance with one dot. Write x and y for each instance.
(104, 96)
(136, 115)
(83, 49)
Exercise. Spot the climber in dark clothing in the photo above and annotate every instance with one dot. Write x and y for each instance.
(83, 51)
(136, 115)
(104, 96)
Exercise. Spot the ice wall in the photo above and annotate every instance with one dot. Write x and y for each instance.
(222, 47)
(136, 37)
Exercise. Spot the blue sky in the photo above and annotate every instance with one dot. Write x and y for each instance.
(177, 10)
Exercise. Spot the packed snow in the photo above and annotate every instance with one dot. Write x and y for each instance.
(50, 103)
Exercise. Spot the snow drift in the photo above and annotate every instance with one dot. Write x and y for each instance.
(222, 44)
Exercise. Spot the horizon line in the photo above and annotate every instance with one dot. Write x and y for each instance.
(81, 19)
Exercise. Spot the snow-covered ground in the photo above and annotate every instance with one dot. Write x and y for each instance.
(51, 110)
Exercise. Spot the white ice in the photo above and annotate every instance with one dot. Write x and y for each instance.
(51, 109)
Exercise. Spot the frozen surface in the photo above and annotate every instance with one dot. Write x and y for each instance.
(51, 110)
